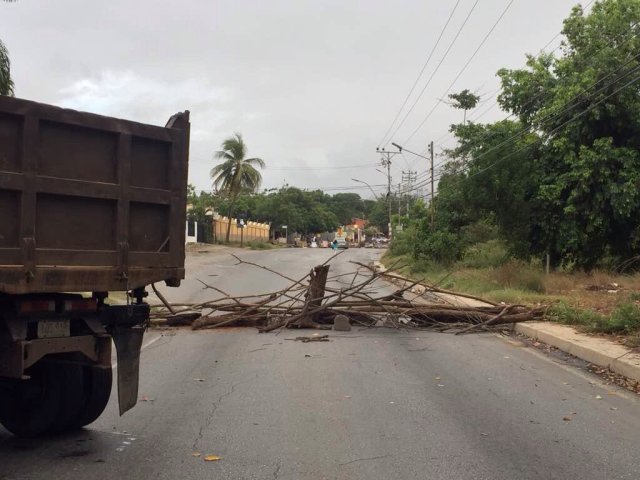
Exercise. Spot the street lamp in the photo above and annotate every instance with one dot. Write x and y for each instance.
(402, 149)
(372, 191)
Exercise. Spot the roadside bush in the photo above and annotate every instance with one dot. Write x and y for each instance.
(403, 242)
(514, 274)
(423, 265)
(440, 247)
(490, 254)
(478, 232)
(624, 319)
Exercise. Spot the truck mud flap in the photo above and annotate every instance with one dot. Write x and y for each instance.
(128, 343)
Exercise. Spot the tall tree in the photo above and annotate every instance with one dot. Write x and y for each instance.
(6, 83)
(585, 105)
(236, 173)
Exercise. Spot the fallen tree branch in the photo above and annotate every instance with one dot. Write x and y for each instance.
(314, 301)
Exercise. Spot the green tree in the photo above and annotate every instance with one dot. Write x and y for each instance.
(346, 206)
(6, 83)
(236, 173)
(499, 182)
(586, 108)
(464, 100)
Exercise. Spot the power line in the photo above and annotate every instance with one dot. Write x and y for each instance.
(495, 104)
(486, 37)
(630, 58)
(340, 167)
(446, 53)
(575, 117)
(415, 83)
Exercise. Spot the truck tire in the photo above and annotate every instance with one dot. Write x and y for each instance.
(44, 403)
(72, 379)
(97, 390)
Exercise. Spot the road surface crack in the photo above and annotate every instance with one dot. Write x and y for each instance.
(363, 459)
(277, 471)
(209, 420)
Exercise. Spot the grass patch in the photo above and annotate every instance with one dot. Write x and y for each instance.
(518, 275)
(624, 319)
(260, 245)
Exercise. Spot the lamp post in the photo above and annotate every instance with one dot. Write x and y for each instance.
(365, 183)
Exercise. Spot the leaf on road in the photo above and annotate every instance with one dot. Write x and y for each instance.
(566, 419)
(198, 379)
(212, 458)
(195, 454)
(598, 397)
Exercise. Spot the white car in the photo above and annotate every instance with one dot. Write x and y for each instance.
(342, 243)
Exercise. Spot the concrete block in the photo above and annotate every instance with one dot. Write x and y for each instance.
(341, 324)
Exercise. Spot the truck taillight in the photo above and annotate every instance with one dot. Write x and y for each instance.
(84, 304)
(34, 306)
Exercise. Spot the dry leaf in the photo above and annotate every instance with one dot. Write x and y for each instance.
(195, 454)
(212, 458)
(566, 419)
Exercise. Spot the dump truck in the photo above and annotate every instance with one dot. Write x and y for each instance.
(89, 205)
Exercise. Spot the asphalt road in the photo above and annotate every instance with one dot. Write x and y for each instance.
(370, 404)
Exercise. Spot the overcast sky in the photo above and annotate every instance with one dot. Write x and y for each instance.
(312, 85)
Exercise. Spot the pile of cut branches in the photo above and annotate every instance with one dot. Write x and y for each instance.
(363, 296)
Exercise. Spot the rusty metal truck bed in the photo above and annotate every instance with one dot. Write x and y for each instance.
(88, 202)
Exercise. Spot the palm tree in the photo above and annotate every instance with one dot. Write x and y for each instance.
(236, 173)
(6, 84)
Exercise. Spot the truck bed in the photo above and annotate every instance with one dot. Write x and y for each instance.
(88, 202)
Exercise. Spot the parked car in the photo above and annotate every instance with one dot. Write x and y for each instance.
(342, 243)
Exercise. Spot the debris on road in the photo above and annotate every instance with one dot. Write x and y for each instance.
(321, 301)
(320, 338)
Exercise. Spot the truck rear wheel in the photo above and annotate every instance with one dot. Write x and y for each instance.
(97, 390)
(43, 404)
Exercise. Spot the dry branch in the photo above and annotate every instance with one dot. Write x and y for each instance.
(314, 300)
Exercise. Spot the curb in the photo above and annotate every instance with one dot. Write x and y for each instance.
(596, 350)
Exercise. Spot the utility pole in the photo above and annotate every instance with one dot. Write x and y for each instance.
(385, 161)
(432, 203)
(409, 178)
